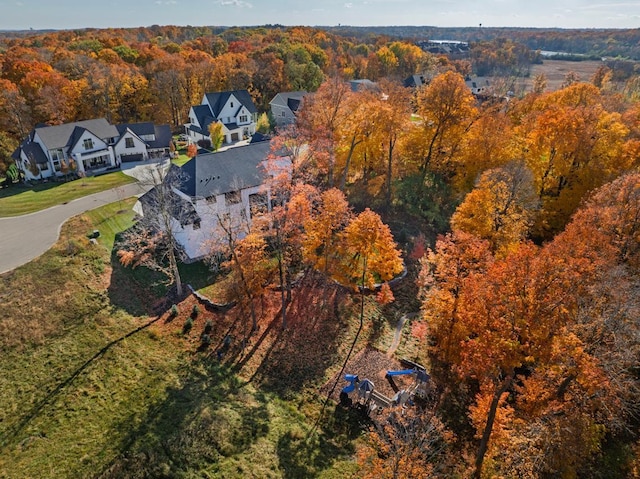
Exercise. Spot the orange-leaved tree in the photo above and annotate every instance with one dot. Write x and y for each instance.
(500, 208)
(320, 245)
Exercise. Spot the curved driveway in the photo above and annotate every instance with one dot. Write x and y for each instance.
(23, 238)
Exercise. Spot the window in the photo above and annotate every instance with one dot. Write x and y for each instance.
(233, 197)
(258, 204)
(243, 118)
(284, 113)
(88, 144)
(231, 104)
(129, 142)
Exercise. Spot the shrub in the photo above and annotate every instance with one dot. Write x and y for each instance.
(188, 325)
(195, 311)
(174, 311)
(205, 339)
(208, 326)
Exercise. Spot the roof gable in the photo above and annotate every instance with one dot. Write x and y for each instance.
(218, 100)
(284, 98)
(225, 171)
(66, 135)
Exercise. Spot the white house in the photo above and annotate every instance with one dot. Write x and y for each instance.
(235, 110)
(93, 146)
(141, 141)
(285, 106)
(88, 143)
(227, 186)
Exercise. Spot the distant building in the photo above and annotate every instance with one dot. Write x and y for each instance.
(479, 86)
(285, 106)
(417, 80)
(450, 48)
(363, 84)
(92, 145)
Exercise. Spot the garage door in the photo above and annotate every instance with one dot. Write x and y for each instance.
(127, 158)
(235, 137)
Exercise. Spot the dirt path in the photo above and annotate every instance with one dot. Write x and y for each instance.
(397, 335)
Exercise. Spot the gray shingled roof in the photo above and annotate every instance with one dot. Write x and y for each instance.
(290, 99)
(161, 132)
(34, 150)
(219, 99)
(203, 115)
(145, 128)
(225, 171)
(61, 136)
(163, 137)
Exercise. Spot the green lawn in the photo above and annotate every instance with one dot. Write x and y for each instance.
(112, 219)
(82, 397)
(181, 159)
(20, 199)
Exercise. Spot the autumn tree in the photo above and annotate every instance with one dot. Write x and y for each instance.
(500, 208)
(192, 150)
(532, 335)
(369, 253)
(249, 264)
(319, 122)
(411, 445)
(292, 210)
(151, 242)
(447, 110)
(321, 245)
(263, 125)
(572, 145)
(216, 135)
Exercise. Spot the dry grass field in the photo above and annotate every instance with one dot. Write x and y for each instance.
(556, 71)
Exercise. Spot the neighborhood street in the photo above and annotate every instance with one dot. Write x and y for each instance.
(23, 238)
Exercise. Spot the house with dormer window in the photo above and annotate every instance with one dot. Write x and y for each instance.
(92, 146)
(87, 144)
(229, 186)
(142, 141)
(235, 110)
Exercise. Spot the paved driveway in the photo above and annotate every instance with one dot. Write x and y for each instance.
(23, 238)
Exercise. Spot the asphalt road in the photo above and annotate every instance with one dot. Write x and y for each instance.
(23, 238)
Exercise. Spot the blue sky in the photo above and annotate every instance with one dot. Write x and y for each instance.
(64, 14)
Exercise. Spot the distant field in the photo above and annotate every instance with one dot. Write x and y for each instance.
(556, 70)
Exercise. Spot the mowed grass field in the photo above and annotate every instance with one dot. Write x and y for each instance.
(98, 381)
(20, 199)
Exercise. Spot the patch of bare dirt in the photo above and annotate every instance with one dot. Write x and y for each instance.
(372, 364)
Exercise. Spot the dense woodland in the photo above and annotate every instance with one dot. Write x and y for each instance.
(521, 216)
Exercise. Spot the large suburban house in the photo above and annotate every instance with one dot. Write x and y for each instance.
(227, 188)
(235, 110)
(285, 106)
(142, 141)
(92, 146)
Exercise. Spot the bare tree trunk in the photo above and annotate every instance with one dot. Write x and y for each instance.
(491, 417)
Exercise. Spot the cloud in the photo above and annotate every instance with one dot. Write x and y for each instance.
(167, 2)
(348, 5)
(235, 3)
